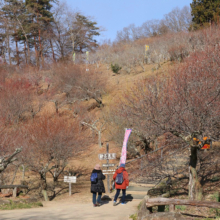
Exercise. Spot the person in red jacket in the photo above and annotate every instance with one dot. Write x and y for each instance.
(122, 186)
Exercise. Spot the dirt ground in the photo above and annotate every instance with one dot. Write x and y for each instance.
(78, 206)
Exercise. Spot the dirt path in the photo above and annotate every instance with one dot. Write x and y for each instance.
(69, 208)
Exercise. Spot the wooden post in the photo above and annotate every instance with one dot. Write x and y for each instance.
(44, 192)
(171, 208)
(70, 189)
(108, 183)
(141, 167)
(15, 192)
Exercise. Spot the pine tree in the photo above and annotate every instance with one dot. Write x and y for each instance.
(12, 10)
(204, 12)
(39, 19)
(84, 31)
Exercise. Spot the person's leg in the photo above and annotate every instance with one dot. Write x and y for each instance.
(116, 195)
(94, 198)
(123, 196)
(99, 197)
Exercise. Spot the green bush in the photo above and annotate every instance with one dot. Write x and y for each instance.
(181, 207)
(216, 197)
(139, 205)
(215, 179)
(214, 211)
(133, 217)
(115, 68)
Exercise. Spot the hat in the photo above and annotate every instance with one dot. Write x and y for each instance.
(97, 167)
(122, 165)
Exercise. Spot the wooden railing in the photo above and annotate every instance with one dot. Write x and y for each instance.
(172, 202)
(14, 187)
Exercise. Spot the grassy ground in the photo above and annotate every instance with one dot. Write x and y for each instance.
(24, 205)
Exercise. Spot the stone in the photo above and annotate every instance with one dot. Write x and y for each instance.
(31, 200)
(4, 202)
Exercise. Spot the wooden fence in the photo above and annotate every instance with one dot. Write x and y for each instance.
(172, 202)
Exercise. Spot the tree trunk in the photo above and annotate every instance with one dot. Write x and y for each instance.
(13, 179)
(26, 38)
(17, 52)
(23, 172)
(44, 186)
(100, 104)
(9, 49)
(51, 45)
(195, 188)
(25, 54)
(40, 46)
(99, 139)
(56, 106)
(36, 52)
(44, 192)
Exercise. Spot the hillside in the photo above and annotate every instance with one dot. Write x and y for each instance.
(65, 113)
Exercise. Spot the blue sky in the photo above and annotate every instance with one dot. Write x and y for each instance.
(114, 15)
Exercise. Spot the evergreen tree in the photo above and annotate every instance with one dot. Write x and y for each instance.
(12, 11)
(84, 31)
(204, 12)
(39, 19)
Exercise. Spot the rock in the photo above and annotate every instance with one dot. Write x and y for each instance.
(31, 200)
(18, 201)
(4, 202)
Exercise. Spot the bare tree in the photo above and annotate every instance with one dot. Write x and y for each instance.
(98, 127)
(184, 105)
(178, 19)
(80, 85)
(60, 38)
(9, 152)
(49, 143)
(16, 99)
(8, 159)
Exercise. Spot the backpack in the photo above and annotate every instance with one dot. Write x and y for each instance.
(119, 178)
(94, 177)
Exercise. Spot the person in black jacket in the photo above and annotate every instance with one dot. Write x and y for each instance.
(97, 187)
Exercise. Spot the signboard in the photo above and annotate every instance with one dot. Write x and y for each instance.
(87, 55)
(146, 47)
(108, 170)
(107, 173)
(70, 179)
(108, 156)
(108, 165)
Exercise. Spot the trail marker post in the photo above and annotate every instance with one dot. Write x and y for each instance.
(108, 184)
(108, 156)
(70, 179)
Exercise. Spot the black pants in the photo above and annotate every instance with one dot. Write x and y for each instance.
(123, 195)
